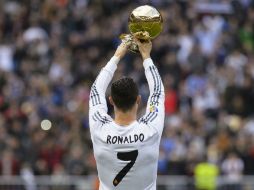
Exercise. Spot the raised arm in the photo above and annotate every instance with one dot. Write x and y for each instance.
(97, 103)
(99, 87)
(155, 111)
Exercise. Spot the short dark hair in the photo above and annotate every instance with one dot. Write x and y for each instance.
(124, 93)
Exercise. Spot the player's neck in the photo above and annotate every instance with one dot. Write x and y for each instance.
(125, 118)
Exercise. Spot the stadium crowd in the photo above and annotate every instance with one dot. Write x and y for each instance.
(51, 51)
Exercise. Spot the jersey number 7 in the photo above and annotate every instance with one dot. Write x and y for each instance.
(125, 156)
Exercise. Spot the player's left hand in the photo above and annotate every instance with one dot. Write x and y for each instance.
(121, 50)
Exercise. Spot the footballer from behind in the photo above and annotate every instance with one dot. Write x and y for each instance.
(126, 149)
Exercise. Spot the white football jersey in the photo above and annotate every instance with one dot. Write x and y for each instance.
(127, 156)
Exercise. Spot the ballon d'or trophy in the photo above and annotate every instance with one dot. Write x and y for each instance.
(145, 23)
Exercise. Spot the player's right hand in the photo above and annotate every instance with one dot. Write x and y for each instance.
(145, 48)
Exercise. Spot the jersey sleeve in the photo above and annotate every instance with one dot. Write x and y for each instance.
(97, 102)
(155, 110)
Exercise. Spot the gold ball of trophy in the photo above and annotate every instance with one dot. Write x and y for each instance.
(145, 23)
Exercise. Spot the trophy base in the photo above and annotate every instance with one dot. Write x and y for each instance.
(143, 37)
(128, 38)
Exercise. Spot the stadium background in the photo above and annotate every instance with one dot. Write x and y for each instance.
(52, 50)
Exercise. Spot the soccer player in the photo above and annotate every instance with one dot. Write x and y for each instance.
(126, 149)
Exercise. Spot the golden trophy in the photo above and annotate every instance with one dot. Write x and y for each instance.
(145, 23)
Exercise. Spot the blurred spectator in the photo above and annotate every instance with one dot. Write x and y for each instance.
(51, 153)
(206, 176)
(6, 57)
(28, 176)
(232, 167)
(76, 164)
(9, 165)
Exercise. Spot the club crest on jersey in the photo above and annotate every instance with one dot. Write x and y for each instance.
(153, 108)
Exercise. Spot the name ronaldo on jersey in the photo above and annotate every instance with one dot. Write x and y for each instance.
(125, 139)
